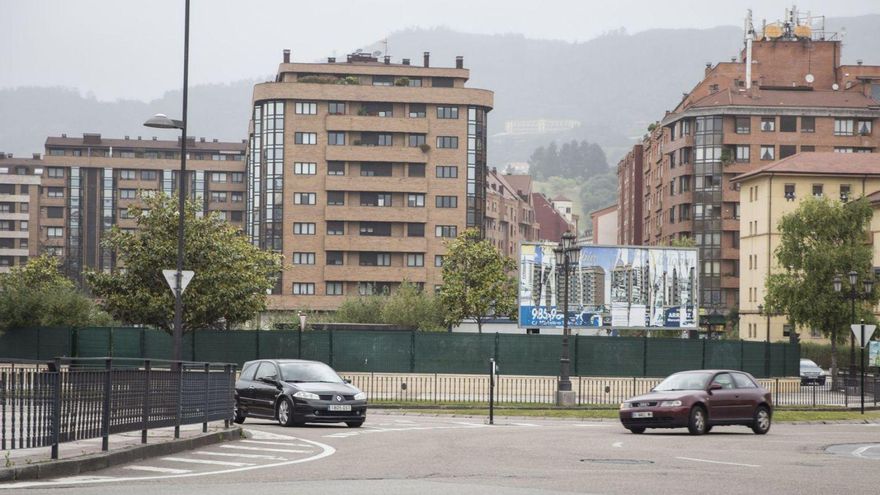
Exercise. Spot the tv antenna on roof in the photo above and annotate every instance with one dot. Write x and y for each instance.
(385, 44)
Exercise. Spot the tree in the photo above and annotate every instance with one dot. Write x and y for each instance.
(38, 295)
(408, 306)
(820, 239)
(476, 283)
(231, 278)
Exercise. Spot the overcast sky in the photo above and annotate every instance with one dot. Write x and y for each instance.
(134, 49)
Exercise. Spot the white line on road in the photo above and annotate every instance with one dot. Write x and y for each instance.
(158, 469)
(861, 450)
(617, 444)
(243, 456)
(340, 435)
(717, 462)
(87, 478)
(264, 449)
(523, 424)
(285, 444)
(207, 461)
(588, 425)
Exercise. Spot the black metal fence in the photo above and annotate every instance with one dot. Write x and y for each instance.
(47, 403)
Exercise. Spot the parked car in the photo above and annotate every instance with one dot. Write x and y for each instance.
(295, 392)
(699, 400)
(811, 373)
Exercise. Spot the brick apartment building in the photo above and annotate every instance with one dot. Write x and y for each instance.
(510, 216)
(360, 170)
(20, 180)
(788, 93)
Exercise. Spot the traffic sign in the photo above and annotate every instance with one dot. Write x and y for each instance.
(171, 278)
(863, 338)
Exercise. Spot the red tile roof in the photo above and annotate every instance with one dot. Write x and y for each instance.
(786, 98)
(824, 163)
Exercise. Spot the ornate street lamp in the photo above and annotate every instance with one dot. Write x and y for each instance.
(567, 256)
(853, 295)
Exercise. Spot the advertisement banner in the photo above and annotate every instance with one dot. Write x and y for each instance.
(874, 353)
(610, 286)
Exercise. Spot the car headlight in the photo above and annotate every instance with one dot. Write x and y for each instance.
(360, 396)
(625, 405)
(670, 403)
(306, 395)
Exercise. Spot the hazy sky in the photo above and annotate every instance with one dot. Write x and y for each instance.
(134, 49)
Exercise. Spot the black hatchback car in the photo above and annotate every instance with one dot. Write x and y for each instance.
(296, 392)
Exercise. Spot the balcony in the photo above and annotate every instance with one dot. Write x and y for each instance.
(359, 123)
(358, 273)
(13, 252)
(375, 243)
(376, 154)
(14, 198)
(376, 214)
(376, 184)
(14, 216)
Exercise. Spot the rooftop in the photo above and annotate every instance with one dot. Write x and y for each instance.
(95, 140)
(824, 163)
(786, 98)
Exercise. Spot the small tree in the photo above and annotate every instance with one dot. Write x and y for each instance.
(410, 306)
(476, 281)
(231, 274)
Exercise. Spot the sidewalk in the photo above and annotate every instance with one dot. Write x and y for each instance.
(86, 455)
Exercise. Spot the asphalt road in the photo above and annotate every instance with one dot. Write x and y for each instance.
(442, 455)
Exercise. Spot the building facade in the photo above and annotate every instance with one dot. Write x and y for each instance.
(360, 171)
(20, 180)
(604, 225)
(510, 217)
(630, 176)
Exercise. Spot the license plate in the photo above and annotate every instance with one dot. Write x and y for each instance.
(647, 414)
(339, 407)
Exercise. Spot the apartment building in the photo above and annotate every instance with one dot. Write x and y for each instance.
(89, 182)
(360, 170)
(20, 180)
(604, 225)
(510, 217)
(788, 93)
(777, 189)
(630, 175)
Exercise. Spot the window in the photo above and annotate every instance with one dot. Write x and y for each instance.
(379, 229)
(415, 230)
(127, 193)
(127, 174)
(335, 138)
(415, 140)
(56, 152)
(335, 168)
(6, 225)
(808, 124)
(367, 258)
(55, 232)
(845, 192)
(336, 198)
(55, 172)
(844, 149)
(6, 208)
(742, 153)
(334, 289)
(768, 124)
(237, 177)
(787, 150)
(305, 108)
(302, 228)
(417, 110)
(236, 216)
(807, 149)
(438, 260)
(303, 289)
(55, 192)
(414, 82)
(302, 198)
(336, 108)
(817, 190)
(335, 258)
(218, 177)
(218, 196)
(376, 169)
(768, 152)
(442, 82)
(302, 168)
(447, 112)
(447, 141)
(24, 208)
(415, 170)
(415, 259)
(447, 171)
(149, 175)
(303, 258)
(375, 199)
(864, 127)
(789, 192)
(446, 201)
(377, 109)
(742, 381)
(844, 127)
(237, 197)
(383, 80)
(305, 138)
(787, 123)
(743, 125)
(335, 228)
(415, 200)
(736, 214)
(385, 139)
(446, 231)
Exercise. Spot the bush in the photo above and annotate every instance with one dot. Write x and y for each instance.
(821, 354)
(408, 306)
(319, 79)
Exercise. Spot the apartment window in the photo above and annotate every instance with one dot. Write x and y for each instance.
(56, 152)
(684, 183)
(375, 199)
(336, 198)
(127, 174)
(447, 172)
(415, 140)
(55, 172)
(6, 208)
(303, 289)
(789, 192)
(415, 200)
(807, 149)
(236, 177)
(305, 138)
(335, 258)
(385, 139)
(336, 108)
(414, 82)
(303, 258)
(150, 155)
(236, 197)
(787, 150)
(7, 225)
(55, 192)
(447, 112)
(415, 259)
(379, 229)
(844, 127)
(305, 108)
(149, 175)
(335, 168)
(303, 228)
(768, 124)
(54, 232)
(672, 215)
(864, 127)
(125, 154)
(417, 110)
(415, 230)
(817, 190)
(303, 168)
(446, 231)
(438, 260)
(447, 141)
(844, 149)
(335, 228)
(218, 196)
(366, 258)
(221, 215)
(383, 80)
(127, 193)
(808, 124)
(415, 170)
(787, 123)
(768, 152)
(446, 201)
(334, 289)
(742, 153)
(335, 138)
(303, 198)
(736, 213)
(376, 169)
(743, 125)
(218, 177)
(442, 82)
(236, 216)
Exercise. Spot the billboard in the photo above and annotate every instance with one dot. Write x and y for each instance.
(610, 286)
(874, 353)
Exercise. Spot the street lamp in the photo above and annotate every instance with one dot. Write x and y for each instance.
(567, 255)
(868, 285)
(160, 121)
(768, 314)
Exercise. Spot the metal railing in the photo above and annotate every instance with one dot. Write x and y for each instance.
(48, 403)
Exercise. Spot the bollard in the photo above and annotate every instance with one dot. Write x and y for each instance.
(146, 411)
(207, 396)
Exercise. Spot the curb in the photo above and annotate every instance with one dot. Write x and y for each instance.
(93, 462)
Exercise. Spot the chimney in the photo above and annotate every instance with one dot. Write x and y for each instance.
(139, 138)
(286, 55)
(126, 138)
(406, 61)
(155, 138)
(348, 58)
(2, 155)
(459, 62)
(64, 135)
(37, 156)
(331, 60)
(387, 60)
(427, 59)
(216, 140)
(708, 67)
(859, 61)
(201, 140)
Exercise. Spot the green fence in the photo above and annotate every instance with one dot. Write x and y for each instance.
(415, 352)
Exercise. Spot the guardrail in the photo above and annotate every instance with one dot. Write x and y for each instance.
(47, 403)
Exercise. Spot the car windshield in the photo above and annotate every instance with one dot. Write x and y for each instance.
(684, 381)
(309, 372)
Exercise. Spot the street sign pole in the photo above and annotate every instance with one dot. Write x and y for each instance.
(862, 365)
(863, 334)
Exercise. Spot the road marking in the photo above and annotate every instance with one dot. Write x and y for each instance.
(589, 425)
(263, 442)
(861, 450)
(717, 462)
(264, 449)
(207, 461)
(617, 444)
(523, 424)
(158, 469)
(340, 435)
(244, 456)
(86, 477)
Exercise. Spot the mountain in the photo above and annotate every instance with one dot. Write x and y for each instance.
(615, 85)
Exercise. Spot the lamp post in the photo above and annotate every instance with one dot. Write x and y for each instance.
(160, 121)
(766, 341)
(868, 286)
(567, 254)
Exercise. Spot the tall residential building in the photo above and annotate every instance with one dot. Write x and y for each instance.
(360, 170)
(788, 93)
(510, 217)
(604, 225)
(89, 182)
(630, 175)
(20, 180)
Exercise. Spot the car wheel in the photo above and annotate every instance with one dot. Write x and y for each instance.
(237, 415)
(638, 430)
(698, 424)
(354, 424)
(285, 412)
(762, 420)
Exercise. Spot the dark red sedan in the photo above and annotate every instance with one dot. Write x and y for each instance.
(699, 400)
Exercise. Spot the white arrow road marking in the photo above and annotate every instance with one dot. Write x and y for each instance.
(264, 449)
(717, 462)
(207, 461)
(158, 469)
(861, 450)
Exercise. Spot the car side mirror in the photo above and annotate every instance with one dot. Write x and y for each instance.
(715, 386)
(273, 379)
